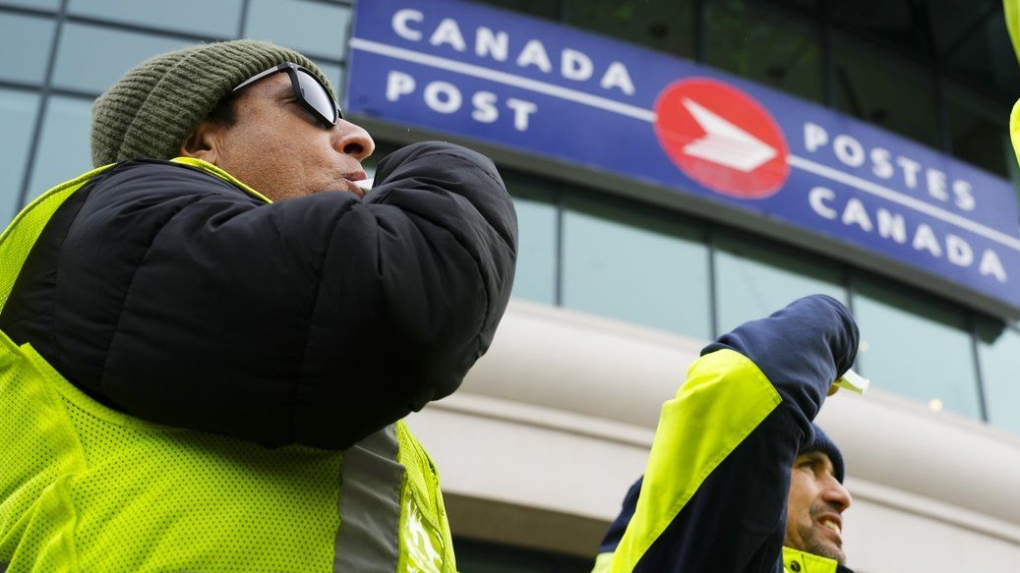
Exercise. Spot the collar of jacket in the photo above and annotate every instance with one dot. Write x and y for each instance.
(214, 170)
(796, 561)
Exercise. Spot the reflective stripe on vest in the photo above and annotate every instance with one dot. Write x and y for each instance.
(370, 505)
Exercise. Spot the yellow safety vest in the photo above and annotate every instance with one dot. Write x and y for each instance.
(86, 488)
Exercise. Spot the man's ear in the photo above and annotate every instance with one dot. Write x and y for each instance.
(204, 142)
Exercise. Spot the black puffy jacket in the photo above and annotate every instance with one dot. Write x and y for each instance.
(171, 294)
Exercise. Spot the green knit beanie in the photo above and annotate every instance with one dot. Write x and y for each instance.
(153, 108)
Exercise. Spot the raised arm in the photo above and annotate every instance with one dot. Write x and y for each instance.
(714, 490)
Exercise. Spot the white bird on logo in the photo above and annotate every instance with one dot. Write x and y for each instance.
(725, 143)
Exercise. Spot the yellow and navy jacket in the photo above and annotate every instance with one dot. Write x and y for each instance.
(714, 493)
(196, 379)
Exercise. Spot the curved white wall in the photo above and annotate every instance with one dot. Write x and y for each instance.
(555, 422)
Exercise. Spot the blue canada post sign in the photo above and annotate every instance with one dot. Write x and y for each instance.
(529, 84)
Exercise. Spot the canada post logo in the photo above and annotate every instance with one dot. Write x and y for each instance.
(722, 138)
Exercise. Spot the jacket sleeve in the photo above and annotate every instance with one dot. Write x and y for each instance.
(714, 492)
(315, 321)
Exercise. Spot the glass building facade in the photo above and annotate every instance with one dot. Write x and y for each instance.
(939, 72)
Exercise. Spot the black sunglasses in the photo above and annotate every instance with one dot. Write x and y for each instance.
(308, 91)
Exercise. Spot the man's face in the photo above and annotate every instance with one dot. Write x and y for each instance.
(815, 506)
(278, 148)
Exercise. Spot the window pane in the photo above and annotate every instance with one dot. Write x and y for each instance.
(311, 27)
(541, 8)
(30, 38)
(807, 7)
(17, 115)
(536, 252)
(954, 21)
(889, 22)
(916, 346)
(1013, 169)
(635, 267)
(982, 56)
(879, 88)
(979, 131)
(665, 25)
(754, 280)
(771, 46)
(64, 146)
(220, 18)
(51, 4)
(93, 58)
(999, 352)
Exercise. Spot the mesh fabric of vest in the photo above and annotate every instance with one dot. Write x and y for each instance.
(110, 493)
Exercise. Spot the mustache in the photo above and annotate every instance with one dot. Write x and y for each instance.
(819, 508)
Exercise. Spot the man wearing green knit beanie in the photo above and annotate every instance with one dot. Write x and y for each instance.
(210, 340)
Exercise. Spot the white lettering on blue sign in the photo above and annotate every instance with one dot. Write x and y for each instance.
(893, 226)
(446, 98)
(574, 65)
(852, 153)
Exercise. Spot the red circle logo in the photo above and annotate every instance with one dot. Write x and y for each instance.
(722, 138)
